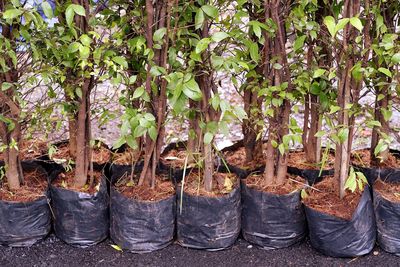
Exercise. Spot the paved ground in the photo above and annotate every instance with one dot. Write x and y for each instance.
(53, 252)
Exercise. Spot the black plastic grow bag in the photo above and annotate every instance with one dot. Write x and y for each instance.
(272, 221)
(338, 237)
(211, 223)
(141, 226)
(388, 223)
(25, 223)
(80, 219)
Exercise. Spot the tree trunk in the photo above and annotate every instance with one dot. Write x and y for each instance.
(348, 87)
(10, 109)
(83, 135)
(276, 162)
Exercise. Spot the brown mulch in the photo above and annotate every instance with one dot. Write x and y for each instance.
(238, 158)
(30, 149)
(175, 158)
(298, 159)
(34, 187)
(67, 180)
(100, 154)
(389, 191)
(362, 157)
(327, 199)
(293, 183)
(223, 183)
(128, 157)
(163, 189)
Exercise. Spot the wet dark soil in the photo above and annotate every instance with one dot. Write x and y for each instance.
(53, 252)
(362, 158)
(327, 200)
(389, 191)
(292, 183)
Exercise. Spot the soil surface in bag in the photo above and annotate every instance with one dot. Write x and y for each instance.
(235, 157)
(30, 150)
(273, 219)
(142, 219)
(174, 155)
(81, 215)
(389, 170)
(25, 216)
(340, 228)
(387, 212)
(101, 154)
(125, 155)
(298, 165)
(209, 220)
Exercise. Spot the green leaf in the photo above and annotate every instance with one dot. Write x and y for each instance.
(78, 92)
(320, 134)
(254, 54)
(85, 40)
(5, 86)
(131, 141)
(239, 112)
(79, 10)
(219, 36)
(153, 133)
(159, 34)
(386, 72)
(299, 43)
(356, 22)
(12, 13)
(396, 58)
(138, 92)
(199, 19)
(69, 15)
(139, 131)
(256, 30)
(281, 149)
(210, 11)
(84, 52)
(351, 183)
(341, 24)
(380, 147)
(343, 134)
(329, 21)
(277, 66)
(191, 90)
(208, 138)
(120, 61)
(202, 45)
(318, 73)
(47, 10)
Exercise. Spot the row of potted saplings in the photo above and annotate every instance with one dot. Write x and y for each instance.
(142, 218)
